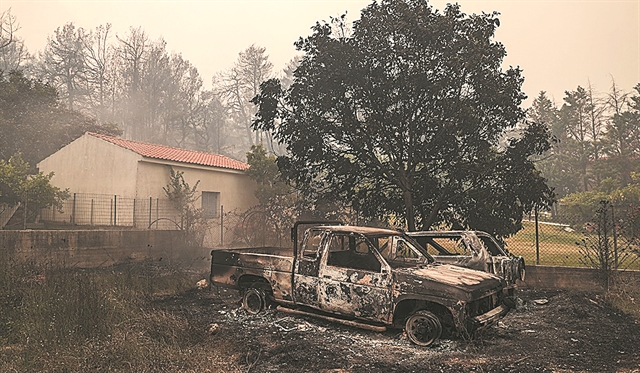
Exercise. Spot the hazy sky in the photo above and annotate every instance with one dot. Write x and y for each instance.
(559, 44)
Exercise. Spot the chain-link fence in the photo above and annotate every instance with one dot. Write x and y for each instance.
(563, 238)
(558, 239)
(99, 211)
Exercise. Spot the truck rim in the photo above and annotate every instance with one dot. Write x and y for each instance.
(253, 301)
(423, 328)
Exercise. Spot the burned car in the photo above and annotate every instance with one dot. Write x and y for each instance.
(365, 277)
(472, 249)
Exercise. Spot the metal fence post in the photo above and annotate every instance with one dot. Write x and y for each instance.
(537, 237)
(134, 213)
(115, 210)
(24, 221)
(91, 219)
(73, 210)
(221, 225)
(150, 207)
(615, 236)
(157, 211)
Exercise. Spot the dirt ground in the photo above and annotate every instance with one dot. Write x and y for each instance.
(550, 331)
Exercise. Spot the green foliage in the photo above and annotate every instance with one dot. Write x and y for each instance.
(33, 123)
(555, 164)
(597, 140)
(279, 204)
(179, 192)
(183, 197)
(18, 186)
(403, 117)
(264, 171)
(583, 206)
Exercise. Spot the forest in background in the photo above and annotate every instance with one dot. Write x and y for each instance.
(134, 86)
(132, 82)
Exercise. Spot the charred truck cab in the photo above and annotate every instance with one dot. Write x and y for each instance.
(367, 277)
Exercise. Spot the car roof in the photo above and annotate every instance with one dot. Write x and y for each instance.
(359, 229)
(447, 233)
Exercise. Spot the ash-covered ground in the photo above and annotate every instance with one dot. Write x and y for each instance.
(550, 331)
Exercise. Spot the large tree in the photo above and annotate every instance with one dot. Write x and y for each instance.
(403, 115)
(622, 137)
(555, 164)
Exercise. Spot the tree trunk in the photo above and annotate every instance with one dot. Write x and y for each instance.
(408, 204)
(426, 223)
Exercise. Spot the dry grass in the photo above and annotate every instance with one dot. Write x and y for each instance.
(71, 320)
(625, 296)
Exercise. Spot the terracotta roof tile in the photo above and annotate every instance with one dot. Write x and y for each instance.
(174, 154)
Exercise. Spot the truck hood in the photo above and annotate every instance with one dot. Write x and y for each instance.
(447, 280)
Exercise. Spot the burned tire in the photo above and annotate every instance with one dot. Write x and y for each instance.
(254, 300)
(423, 328)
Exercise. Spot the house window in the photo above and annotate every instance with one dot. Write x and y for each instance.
(211, 204)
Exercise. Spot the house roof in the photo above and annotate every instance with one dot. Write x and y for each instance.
(174, 154)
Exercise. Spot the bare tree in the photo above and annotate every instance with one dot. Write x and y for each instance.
(186, 96)
(156, 105)
(210, 130)
(575, 114)
(97, 57)
(63, 64)
(13, 53)
(132, 53)
(596, 109)
(8, 28)
(288, 71)
(617, 99)
(14, 57)
(242, 83)
(621, 142)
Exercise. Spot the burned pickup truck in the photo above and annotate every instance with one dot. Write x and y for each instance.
(365, 277)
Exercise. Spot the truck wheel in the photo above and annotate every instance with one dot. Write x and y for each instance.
(423, 328)
(253, 300)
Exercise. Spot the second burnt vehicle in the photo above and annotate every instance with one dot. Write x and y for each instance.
(472, 249)
(366, 277)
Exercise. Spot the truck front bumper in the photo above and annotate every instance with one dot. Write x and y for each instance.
(489, 318)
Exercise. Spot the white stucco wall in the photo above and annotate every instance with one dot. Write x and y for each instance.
(92, 165)
(236, 189)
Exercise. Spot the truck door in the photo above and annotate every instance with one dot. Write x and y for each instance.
(307, 264)
(354, 280)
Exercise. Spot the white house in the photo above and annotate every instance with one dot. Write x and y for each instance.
(100, 165)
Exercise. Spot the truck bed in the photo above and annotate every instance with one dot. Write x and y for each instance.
(233, 267)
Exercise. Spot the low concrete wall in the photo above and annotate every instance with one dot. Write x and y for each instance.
(570, 278)
(96, 248)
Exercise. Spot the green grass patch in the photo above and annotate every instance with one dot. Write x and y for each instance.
(558, 245)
